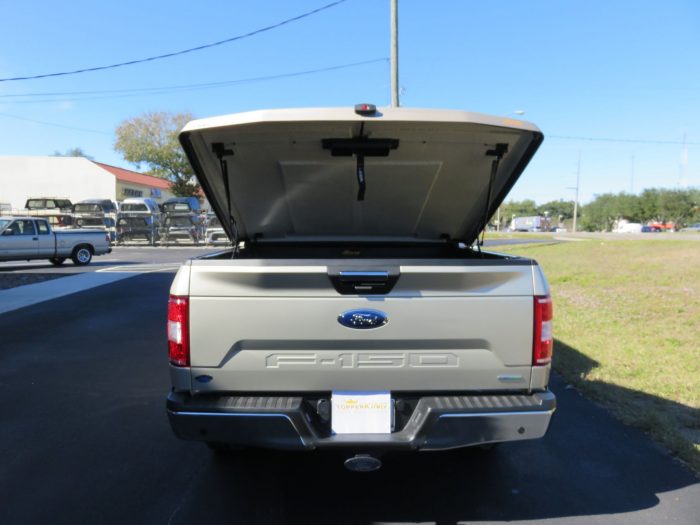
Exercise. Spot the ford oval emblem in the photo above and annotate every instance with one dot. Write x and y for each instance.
(363, 319)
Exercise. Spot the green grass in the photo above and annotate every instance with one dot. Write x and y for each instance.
(627, 324)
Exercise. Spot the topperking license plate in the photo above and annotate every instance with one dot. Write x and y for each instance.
(361, 412)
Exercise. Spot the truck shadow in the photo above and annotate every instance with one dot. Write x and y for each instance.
(589, 464)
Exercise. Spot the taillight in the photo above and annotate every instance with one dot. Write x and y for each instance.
(543, 341)
(179, 330)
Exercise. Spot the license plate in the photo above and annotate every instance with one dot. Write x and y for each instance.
(361, 412)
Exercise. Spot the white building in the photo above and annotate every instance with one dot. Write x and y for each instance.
(73, 178)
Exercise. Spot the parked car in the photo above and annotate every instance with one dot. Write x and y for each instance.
(624, 226)
(662, 226)
(692, 228)
(215, 233)
(27, 238)
(139, 219)
(96, 214)
(354, 310)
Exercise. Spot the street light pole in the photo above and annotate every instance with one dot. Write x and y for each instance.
(578, 177)
(394, 54)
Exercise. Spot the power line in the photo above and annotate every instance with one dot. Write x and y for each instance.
(54, 124)
(635, 141)
(129, 92)
(181, 52)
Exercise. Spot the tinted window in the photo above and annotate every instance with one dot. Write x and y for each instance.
(88, 208)
(51, 204)
(133, 222)
(34, 204)
(176, 206)
(134, 207)
(89, 222)
(63, 203)
(24, 228)
(43, 227)
(180, 221)
(3, 223)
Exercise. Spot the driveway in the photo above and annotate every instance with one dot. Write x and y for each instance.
(84, 439)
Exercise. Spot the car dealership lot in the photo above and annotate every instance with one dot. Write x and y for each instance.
(85, 438)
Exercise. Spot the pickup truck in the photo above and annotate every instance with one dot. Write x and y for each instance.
(27, 238)
(356, 309)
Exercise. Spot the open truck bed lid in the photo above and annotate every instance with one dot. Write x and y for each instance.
(303, 174)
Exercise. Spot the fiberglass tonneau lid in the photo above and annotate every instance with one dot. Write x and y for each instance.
(296, 174)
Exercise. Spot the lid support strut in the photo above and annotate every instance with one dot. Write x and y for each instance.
(220, 151)
(497, 152)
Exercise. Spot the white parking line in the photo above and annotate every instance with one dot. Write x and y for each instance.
(142, 268)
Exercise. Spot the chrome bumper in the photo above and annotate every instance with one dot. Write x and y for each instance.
(436, 423)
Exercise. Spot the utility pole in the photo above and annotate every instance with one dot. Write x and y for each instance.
(578, 178)
(394, 54)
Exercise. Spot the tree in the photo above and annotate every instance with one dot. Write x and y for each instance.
(601, 213)
(675, 206)
(556, 209)
(72, 152)
(151, 139)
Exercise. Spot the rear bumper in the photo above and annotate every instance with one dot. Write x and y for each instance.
(436, 422)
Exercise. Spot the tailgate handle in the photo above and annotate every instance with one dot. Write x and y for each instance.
(367, 282)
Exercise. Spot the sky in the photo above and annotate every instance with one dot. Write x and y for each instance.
(624, 71)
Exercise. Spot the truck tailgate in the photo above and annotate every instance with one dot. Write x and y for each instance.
(264, 326)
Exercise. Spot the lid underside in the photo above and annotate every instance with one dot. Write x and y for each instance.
(285, 182)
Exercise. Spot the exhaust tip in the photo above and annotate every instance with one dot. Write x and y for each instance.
(363, 463)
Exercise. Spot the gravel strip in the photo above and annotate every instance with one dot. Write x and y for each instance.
(12, 280)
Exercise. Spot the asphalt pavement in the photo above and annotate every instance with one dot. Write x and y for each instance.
(84, 438)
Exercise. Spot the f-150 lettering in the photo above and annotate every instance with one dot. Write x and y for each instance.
(365, 360)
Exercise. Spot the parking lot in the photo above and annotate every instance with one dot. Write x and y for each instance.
(85, 438)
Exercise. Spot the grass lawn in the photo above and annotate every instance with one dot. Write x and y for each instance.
(627, 325)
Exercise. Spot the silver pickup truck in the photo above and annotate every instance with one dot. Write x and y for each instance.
(27, 238)
(356, 310)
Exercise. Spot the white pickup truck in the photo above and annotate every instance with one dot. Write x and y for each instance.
(27, 238)
(356, 310)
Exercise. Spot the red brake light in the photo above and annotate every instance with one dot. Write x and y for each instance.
(365, 109)
(543, 340)
(179, 330)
